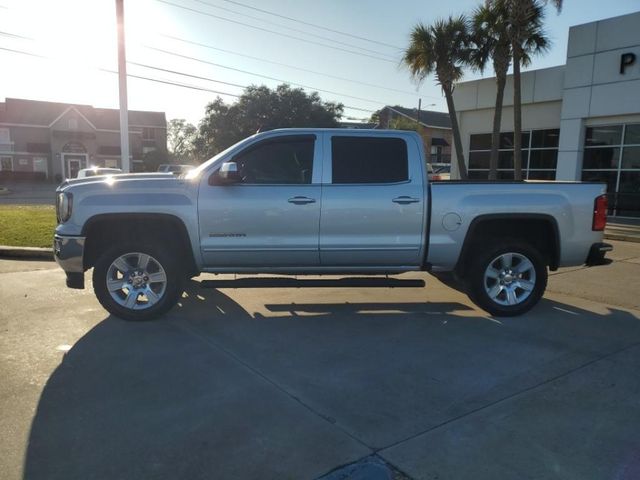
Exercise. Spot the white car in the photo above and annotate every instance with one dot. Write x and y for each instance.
(95, 171)
(175, 169)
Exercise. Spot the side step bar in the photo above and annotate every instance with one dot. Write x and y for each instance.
(286, 282)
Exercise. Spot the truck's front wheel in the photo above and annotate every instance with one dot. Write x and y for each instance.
(137, 282)
(507, 280)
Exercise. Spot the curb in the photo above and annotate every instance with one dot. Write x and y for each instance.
(26, 253)
(622, 237)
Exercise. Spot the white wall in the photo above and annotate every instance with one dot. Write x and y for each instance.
(594, 87)
(589, 87)
(541, 104)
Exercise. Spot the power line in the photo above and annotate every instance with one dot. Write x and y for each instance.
(260, 75)
(13, 35)
(415, 94)
(168, 82)
(274, 32)
(175, 72)
(307, 23)
(304, 32)
(245, 71)
(209, 79)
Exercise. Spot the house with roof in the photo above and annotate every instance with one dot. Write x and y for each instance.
(55, 140)
(434, 127)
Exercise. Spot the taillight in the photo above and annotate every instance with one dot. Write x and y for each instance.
(599, 214)
(436, 178)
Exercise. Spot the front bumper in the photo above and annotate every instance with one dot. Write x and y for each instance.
(597, 253)
(68, 252)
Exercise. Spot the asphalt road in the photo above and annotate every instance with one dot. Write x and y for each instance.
(298, 382)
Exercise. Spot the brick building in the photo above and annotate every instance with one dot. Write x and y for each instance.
(435, 129)
(55, 140)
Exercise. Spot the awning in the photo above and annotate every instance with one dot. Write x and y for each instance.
(439, 142)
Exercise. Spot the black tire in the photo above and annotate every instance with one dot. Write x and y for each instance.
(476, 279)
(162, 255)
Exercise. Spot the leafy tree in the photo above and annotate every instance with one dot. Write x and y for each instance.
(441, 49)
(261, 108)
(404, 123)
(153, 159)
(524, 21)
(181, 136)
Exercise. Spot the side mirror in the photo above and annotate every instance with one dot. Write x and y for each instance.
(227, 175)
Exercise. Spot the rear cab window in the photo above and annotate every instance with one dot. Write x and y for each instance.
(369, 160)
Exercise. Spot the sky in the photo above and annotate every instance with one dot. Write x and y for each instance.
(220, 46)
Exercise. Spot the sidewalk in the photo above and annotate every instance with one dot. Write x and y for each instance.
(28, 193)
(625, 229)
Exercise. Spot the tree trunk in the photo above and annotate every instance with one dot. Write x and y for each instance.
(517, 117)
(455, 129)
(497, 121)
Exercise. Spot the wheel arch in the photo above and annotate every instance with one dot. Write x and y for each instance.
(102, 230)
(539, 230)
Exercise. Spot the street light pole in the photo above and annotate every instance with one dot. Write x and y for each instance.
(122, 87)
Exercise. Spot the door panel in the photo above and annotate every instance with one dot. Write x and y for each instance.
(259, 224)
(372, 224)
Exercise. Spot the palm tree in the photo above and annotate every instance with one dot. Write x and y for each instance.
(441, 49)
(524, 21)
(491, 41)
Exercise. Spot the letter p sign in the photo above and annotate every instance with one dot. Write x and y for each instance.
(626, 60)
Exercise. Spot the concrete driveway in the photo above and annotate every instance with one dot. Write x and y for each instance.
(301, 382)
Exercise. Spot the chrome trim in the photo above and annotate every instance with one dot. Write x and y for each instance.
(68, 252)
(316, 270)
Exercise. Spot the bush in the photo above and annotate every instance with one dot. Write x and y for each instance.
(18, 176)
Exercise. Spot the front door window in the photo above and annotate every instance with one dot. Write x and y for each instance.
(6, 164)
(75, 163)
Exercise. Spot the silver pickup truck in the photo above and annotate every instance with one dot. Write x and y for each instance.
(322, 201)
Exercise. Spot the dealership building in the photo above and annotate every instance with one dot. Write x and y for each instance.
(580, 121)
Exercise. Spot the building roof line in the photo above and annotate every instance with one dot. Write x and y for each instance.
(419, 121)
(77, 111)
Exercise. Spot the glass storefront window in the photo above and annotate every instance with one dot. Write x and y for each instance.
(478, 174)
(542, 175)
(545, 139)
(612, 155)
(631, 158)
(608, 177)
(505, 159)
(605, 135)
(544, 159)
(632, 134)
(479, 160)
(601, 158)
(480, 142)
(539, 152)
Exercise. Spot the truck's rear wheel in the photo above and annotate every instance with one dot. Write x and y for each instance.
(507, 280)
(137, 282)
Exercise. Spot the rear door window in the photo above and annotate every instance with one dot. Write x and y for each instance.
(369, 160)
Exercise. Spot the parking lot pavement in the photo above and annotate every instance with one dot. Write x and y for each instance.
(296, 382)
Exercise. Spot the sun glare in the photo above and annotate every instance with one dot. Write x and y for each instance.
(79, 40)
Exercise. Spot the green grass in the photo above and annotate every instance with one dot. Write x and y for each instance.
(27, 225)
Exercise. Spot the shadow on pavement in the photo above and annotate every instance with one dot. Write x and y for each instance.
(163, 399)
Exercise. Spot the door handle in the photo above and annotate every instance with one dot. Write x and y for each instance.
(404, 200)
(301, 200)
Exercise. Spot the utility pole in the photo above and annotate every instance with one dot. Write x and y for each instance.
(419, 108)
(122, 87)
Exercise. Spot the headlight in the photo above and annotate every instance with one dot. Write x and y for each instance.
(64, 204)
